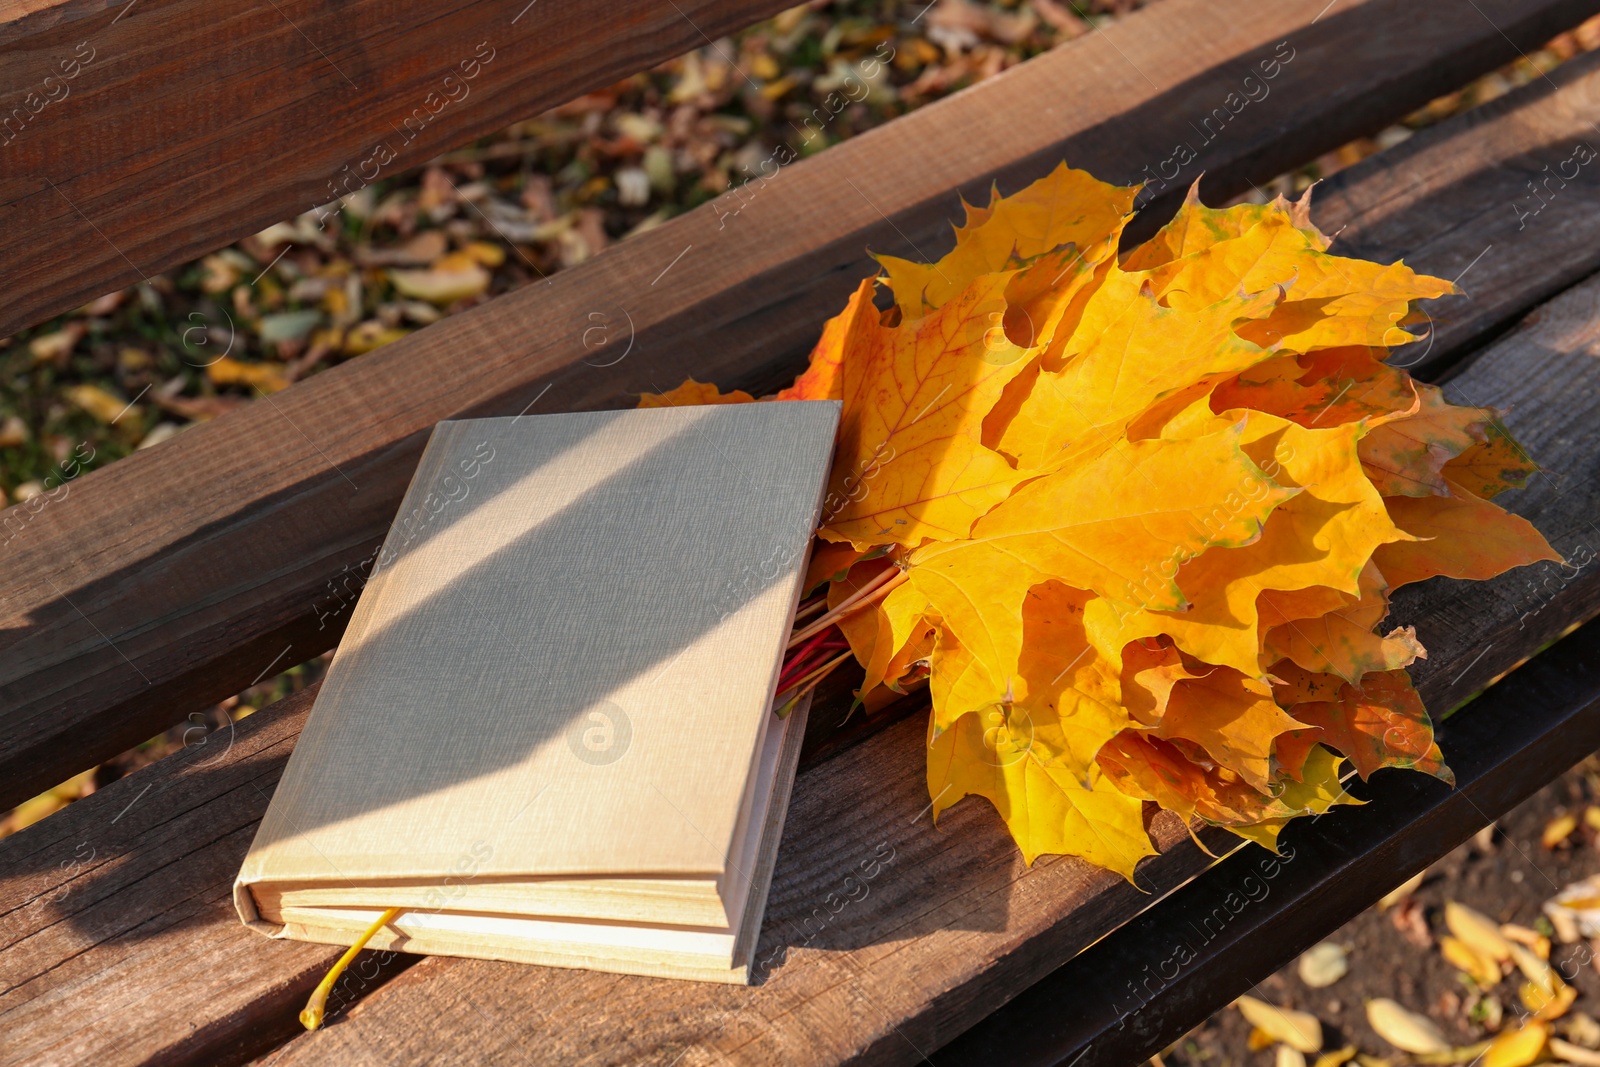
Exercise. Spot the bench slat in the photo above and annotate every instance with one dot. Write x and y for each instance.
(179, 575)
(952, 924)
(117, 911)
(1458, 200)
(229, 117)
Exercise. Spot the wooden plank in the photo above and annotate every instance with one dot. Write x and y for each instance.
(1506, 198)
(958, 925)
(940, 926)
(118, 941)
(227, 117)
(177, 576)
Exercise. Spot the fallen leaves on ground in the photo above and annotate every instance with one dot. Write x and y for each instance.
(1323, 964)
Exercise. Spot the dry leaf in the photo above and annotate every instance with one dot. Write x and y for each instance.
(1557, 830)
(267, 377)
(1405, 1030)
(443, 286)
(1547, 1004)
(1479, 966)
(102, 404)
(1574, 1054)
(1534, 969)
(1517, 1048)
(1583, 1030)
(1323, 964)
(1401, 891)
(1531, 939)
(1464, 537)
(1491, 466)
(1477, 931)
(1298, 1030)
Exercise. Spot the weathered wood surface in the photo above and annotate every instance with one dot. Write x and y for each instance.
(181, 574)
(940, 926)
(117, 936)
(223, 117)
(1505, 197)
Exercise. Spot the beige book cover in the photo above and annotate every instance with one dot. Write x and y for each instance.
(548, 734)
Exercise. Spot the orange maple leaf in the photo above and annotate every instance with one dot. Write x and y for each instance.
(692, 393)
(1135, 521)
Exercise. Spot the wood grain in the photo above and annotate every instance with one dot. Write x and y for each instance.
(885, 937)
(1497, 198)
(226, 117)
(118, 940)
(181, 574)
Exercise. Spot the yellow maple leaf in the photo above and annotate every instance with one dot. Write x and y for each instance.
(1322, 536)
(823, 376)
(1067, 207)
(881, 634)
(1232, 717)
(1135, 522)
(1047, 808)
(1328, 387)
(1491, 466)
(1372, 310)
(910, 464)
(1196, 227)
(1143, 765)
(1118, 526)
(1228, 714)
(1329, 300)
(1406, 455)
(1127, 352)
(692, 393)
(1062, 682)
(1378, 722)
(1342, 640)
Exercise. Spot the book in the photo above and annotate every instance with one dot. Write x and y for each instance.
(549, 733)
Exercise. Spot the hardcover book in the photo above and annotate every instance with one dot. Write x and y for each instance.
(549, 734)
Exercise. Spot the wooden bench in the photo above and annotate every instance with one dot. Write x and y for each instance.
(175, 577)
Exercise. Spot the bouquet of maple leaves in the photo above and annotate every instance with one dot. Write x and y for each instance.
(1134, 520)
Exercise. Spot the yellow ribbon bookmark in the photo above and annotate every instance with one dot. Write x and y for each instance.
(311, 1017)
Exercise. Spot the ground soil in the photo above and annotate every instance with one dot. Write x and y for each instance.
(1507, 875)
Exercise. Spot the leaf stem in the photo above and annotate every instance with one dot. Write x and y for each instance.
(811, 607)
(877, 588)
(801, 660)
(311, 1017)
(804, 684)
